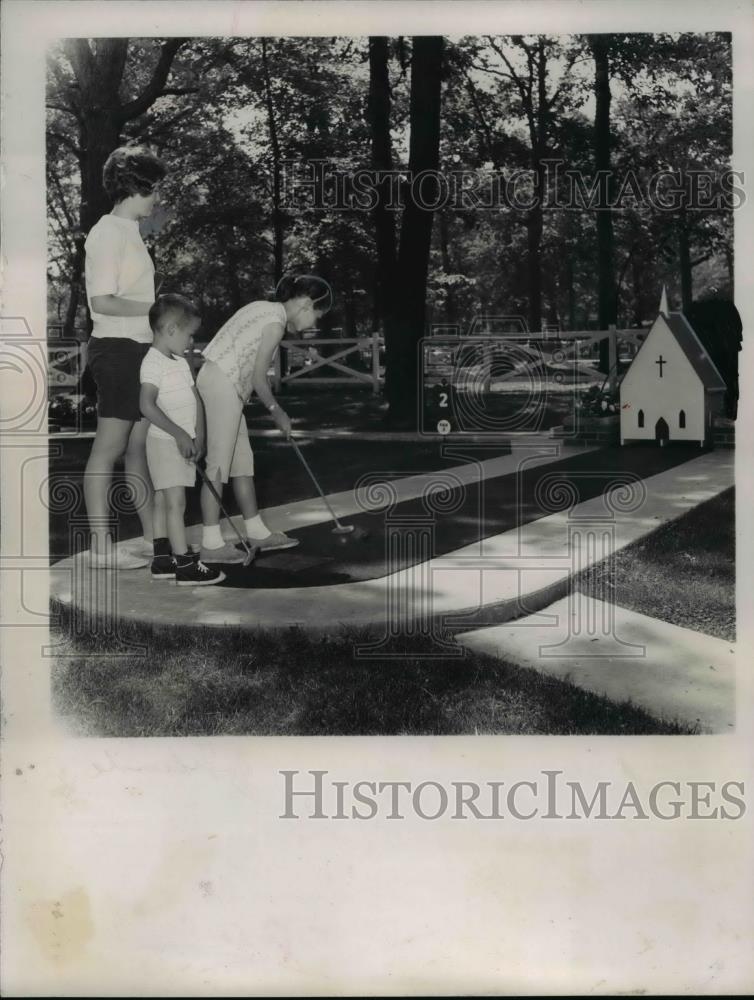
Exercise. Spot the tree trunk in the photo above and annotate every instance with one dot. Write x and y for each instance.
(407, 321)
(570, 293)
(636, 284)
(451, 309)
(551, 296)
(535, 217)
(277, 215)
(729, 265)
(99, 136)
(534, 267)
(684, 261)
(378, 116)
(234, 286)
(74, 295)
(350, 314)
(606, 298)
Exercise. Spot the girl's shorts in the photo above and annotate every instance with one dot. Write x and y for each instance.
(228, 448)
(167, 467)
(115, 364)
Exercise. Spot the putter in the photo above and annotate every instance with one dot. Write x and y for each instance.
(250, 553)
(339, 529)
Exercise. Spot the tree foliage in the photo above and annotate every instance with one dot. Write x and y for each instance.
(241, 120)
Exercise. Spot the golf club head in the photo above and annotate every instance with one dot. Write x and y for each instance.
(250, 552)
(342, 529)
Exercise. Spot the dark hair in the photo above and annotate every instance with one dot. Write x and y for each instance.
(305, 286)
(171, 306)
(131, 170)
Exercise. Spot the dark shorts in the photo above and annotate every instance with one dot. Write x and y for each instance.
(114, 363)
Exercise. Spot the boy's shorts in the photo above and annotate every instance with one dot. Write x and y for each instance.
(114, 364)
(228, 448)
(167, 467)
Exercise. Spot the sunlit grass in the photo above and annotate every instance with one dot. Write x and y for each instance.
(203, 681)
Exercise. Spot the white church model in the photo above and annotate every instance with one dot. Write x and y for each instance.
(672, 391)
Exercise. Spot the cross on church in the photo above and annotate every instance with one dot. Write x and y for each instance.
(661, 361)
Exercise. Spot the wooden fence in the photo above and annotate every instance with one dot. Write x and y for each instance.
(314, 370)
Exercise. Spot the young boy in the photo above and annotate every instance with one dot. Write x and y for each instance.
(175, 439)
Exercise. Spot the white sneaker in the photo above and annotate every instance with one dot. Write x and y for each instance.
(140, 548)
(117, 559)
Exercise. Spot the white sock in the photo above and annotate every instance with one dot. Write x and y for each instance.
(256, 528)
(211, 537)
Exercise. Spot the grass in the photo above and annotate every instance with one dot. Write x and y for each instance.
(209, 681)
(683, 573)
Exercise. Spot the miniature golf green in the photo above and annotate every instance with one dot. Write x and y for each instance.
(462, 516)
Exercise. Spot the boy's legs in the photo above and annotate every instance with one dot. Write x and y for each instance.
(159, 518)
(137, 474)
(163, 566)
(189, 571)
(175, 509)
(110, 442)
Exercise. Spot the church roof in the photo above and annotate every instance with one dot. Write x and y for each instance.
(694, 351)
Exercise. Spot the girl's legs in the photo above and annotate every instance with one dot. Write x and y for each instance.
(246, 496)
(137, 473)
(210, 506)
(110, 442)
(224, 416)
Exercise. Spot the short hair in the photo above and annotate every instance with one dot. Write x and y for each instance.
(171, 306)
(131, 170)
(296, 286)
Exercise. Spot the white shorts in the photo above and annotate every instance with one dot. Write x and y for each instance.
(167, 467)
(228, 449)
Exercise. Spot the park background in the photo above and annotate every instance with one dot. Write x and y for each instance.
(237, 118)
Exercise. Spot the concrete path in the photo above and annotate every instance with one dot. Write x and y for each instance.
(515, 572)
(673, 673)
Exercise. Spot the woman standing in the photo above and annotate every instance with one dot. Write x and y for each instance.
(120, 292)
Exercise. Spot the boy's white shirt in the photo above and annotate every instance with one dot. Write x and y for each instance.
(118, 263)
(175, 391)
(235, 346)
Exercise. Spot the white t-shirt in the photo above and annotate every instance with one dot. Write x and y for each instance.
(175, 390)
(235, 345)
(117, 263)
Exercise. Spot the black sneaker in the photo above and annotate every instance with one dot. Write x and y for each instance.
(163, 568)
(196, 574)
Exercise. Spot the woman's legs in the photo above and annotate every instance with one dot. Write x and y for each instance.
(110, 442)
(137, 474)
